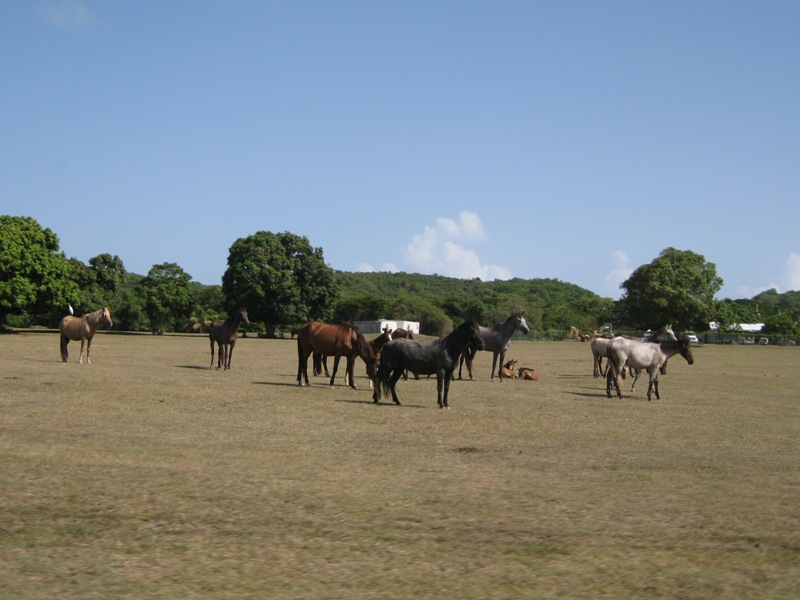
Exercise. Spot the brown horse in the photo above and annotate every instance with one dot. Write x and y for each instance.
(224, 334)
(83, 329)
(320, 361)
(333, 340)
(528, 374)
(508, 370)
(379, 342)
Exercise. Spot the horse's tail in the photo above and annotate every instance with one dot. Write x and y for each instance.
(299, 360)
(612, 362)
(383, 373)
(64, 349)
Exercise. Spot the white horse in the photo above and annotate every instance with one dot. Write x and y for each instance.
(599, 346)
(650, 356)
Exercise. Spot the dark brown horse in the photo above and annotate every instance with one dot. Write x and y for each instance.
(402, 333)
(83, 329)
(333, 340)
(224, 334)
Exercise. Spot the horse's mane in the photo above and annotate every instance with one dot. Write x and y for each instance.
(95, 316)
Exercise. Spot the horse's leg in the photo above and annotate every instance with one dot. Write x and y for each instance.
(635, 379)
(335, 368)
(398, 372)
(230, 355)
(502, 356)
(653, 383)
(80, 357)
(302, 363)
(64, 349)
(349, 377)
(211, 366)
(88, 348)
(612, 375)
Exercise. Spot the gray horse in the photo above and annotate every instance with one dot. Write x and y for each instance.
(496, 339)
(649, 356)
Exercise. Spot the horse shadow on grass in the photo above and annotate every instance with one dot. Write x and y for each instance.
(276, 383)
(371, 403)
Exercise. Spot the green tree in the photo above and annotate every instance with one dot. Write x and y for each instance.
(167, 295)
(678, 287)
(281, 280)
(34, 275)
(432, 319)
(781, 323)
(99, 283)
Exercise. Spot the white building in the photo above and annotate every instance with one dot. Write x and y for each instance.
(382, 325)
(743, 327)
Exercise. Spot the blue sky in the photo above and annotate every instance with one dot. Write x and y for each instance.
(560, 139)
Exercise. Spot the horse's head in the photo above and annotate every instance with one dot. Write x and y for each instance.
(365, 350)
(522, 324)
(685, 348)
(107, 316)
(243, 315)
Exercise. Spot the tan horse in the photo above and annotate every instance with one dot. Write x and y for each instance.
(508, 370)
(83, 329)
(528, 374)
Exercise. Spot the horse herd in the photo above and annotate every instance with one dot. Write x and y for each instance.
(393, 355)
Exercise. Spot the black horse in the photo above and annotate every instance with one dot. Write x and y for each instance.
(425, 358)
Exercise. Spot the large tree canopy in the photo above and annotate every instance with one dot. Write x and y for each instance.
(280, 278)
(678, 287)
(167, 294)
(34, 275)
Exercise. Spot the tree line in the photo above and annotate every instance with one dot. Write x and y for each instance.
(284, 281)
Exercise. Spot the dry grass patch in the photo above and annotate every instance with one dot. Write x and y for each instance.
(146, 474)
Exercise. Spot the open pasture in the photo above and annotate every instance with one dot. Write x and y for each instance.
(148, 475)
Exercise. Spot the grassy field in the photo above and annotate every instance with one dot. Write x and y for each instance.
(148, 475)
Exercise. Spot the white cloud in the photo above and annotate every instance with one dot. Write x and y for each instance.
(791, 271)
(790, 280)
(65, 13)
(436, 250)
(614, 278)
(365, 267)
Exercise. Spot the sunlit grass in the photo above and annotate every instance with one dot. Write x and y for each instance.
(146, 474)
